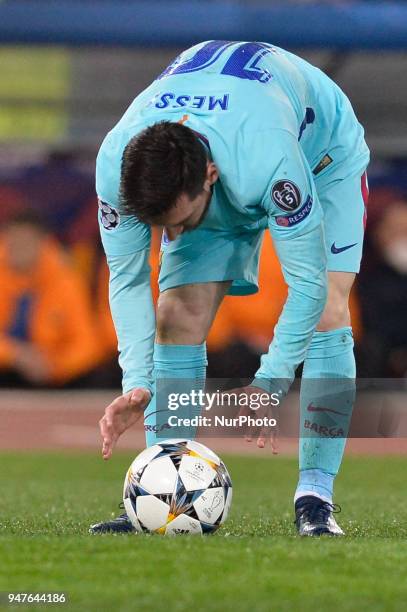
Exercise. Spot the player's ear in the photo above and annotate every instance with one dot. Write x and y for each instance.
(212, 174)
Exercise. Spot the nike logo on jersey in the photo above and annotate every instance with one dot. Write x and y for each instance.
(335, 250)
(312, 408)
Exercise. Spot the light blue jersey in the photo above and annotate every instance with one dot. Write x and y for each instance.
(273, 124)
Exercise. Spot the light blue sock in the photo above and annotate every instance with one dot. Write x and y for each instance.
(177, 369)
(326, 403)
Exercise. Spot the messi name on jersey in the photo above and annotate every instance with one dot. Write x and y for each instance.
(300, 215)
(210, 103)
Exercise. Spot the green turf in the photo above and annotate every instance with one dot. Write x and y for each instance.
(255, 563)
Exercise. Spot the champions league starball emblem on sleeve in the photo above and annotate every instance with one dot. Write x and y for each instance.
(109, 217)
(286, 195)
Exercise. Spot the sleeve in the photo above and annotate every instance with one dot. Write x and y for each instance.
(132, 311)
(295, 223)
(126, 242)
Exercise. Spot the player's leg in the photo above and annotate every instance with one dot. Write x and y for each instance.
(326, 403)
(328, 383)
(197, 270)
(184, 317)
(185, 314)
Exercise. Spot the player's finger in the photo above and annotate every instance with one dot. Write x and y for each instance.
(102, 426)
(268, 432)
(106, 433)
(106, 450)
(108, 445)
(265, 433)
(251, 432)
(261, 441)
(274, 442)
(244, 412)
(106, 423)
(254, 430)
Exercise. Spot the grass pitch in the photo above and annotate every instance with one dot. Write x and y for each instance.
(254, 563)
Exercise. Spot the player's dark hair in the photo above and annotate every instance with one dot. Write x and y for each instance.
(158, 165)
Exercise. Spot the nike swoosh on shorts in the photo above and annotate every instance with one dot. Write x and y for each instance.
(335, 249)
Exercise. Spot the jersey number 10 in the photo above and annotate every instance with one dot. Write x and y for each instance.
(243, 63)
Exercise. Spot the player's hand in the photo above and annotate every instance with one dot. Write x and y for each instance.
(267, 411)
(121, 414)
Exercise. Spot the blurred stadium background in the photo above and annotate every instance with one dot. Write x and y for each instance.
(68, 70)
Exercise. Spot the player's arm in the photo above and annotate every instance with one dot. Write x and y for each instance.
(126, 242)
(295, 223)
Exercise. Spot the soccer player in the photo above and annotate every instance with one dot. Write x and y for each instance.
(233, 138)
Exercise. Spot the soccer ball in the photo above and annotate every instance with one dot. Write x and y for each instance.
(175, 487)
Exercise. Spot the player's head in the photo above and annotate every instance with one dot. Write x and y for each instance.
(167, 177)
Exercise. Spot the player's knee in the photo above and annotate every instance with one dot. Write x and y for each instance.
(336, 312)
(335, 315)
(179, 321)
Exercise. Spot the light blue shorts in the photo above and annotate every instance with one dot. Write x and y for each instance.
(208, 255)
(344, 203)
